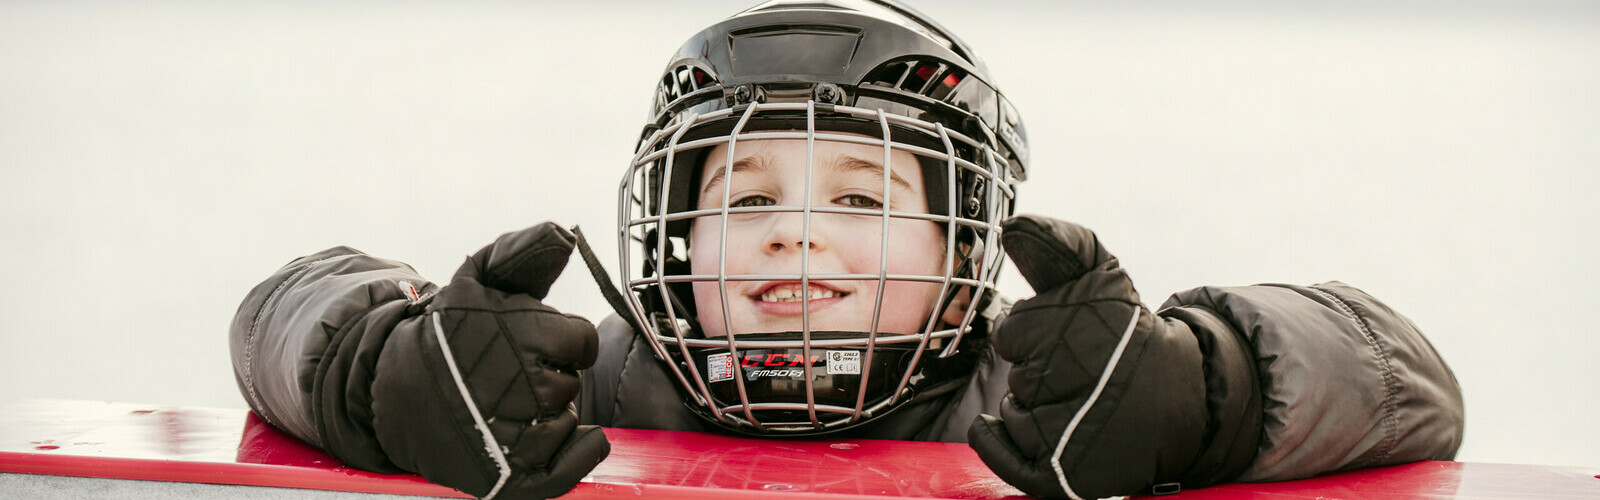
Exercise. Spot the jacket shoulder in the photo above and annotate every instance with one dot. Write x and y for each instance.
(629, 387)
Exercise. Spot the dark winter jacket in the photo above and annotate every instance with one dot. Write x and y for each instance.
(1311, 379)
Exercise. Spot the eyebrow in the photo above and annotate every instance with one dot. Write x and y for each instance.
(843, 163)
(756, 163)
(847, 163)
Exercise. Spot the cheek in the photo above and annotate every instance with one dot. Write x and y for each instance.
(708, 306)
(914, 247)
(907, 305)
(703, 246)
(704, 249)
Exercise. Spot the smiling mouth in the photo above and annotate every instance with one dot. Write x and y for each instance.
(791, 292)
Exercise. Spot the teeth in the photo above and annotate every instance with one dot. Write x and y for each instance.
(791, 293)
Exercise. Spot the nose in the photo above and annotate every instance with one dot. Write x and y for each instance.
(789, 231)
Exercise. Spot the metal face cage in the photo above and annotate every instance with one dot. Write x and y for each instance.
(805, 382)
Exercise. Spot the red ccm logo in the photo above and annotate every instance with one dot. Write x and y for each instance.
(777, 359)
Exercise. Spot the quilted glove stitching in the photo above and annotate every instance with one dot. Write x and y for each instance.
(1105, 377)
(490, 407)
(489, 442)
(477, 360)
(522, 367)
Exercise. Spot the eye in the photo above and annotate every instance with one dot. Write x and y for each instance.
(752, 201)
(858, 201)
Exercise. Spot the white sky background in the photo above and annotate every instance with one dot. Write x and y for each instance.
(158, 159)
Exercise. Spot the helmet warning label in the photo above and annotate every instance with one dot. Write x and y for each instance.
(844, 362)
(719, 367)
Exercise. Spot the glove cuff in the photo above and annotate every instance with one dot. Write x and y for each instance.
(1233, 399)
(341, 399)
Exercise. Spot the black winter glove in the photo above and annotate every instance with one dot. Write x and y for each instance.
(474, 386)
(1106, 398)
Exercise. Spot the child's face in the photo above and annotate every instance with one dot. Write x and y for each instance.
(772, 172)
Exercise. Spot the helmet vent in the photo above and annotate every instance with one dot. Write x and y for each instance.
(928, 78)
(919, 78)
(888, 75)
(681, 81)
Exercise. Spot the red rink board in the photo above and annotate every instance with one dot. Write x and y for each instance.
(152, 442)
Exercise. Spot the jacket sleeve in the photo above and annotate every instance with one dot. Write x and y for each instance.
(1344, 381)
(304, 345)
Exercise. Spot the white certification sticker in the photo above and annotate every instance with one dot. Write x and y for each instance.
(719, 367)
(844, 362)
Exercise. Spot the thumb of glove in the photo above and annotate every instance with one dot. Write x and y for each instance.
(1050, 252)
(526, 261)
(991, 440)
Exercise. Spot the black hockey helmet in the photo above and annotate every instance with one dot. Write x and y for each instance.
(863, 72)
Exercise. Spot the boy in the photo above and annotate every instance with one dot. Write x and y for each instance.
(810, 233)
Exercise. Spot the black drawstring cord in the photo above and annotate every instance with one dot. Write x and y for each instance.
(607, 288)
